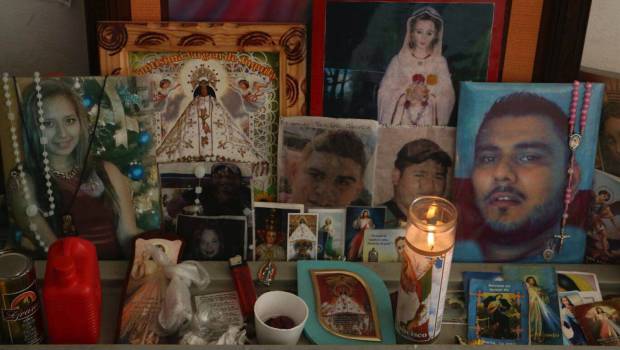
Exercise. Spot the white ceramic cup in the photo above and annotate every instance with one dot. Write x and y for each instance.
(278, 303)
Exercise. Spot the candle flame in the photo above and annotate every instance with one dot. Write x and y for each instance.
(430, 237)
(432, 210)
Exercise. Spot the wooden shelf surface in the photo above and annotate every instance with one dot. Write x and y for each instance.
(113, 274)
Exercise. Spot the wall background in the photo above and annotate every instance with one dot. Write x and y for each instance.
(43, 35)
(602, 48)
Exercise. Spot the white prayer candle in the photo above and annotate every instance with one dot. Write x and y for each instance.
(426, 268)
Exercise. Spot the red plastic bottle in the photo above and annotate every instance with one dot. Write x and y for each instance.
(72, 292)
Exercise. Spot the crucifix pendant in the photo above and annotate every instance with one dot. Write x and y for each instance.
(562, 236)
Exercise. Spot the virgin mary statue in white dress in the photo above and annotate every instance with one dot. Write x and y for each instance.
(416, 88)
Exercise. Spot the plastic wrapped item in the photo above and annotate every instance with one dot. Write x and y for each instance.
(205, 328)
(235, 335)
(176, 312)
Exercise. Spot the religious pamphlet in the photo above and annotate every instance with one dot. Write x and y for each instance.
(544, 315)
(497, 312)
(600, 322)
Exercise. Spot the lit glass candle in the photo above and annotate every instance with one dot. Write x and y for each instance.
(425, 268)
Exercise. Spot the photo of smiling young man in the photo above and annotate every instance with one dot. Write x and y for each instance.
(516, 186)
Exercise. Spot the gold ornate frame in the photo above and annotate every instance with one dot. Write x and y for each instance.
(116, 39)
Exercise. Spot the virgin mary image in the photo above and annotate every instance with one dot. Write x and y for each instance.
(206, 130)
(416, 88)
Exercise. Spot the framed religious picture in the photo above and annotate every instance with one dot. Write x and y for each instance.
(124, 45)
(218, 89)
(348, 304)
(524, 170)
(271, 228)
(399, 62)
(603, 244)
(78, 159)
(330, 245)
(359, 220)
(302, 236)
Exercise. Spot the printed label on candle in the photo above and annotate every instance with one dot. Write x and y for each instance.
(423, 286)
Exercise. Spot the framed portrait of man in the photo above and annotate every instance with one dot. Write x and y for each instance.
(524, 170)
(399, 62)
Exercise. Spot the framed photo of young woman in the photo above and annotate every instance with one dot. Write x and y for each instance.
(399, 62)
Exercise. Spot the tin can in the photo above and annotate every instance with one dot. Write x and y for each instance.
(21, 318)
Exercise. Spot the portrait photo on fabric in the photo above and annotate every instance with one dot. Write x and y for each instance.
(399, 62)
(78, 158)
(224, 189)
(524, 170)
(412, 162)
(610, 138)
(212, 237)
(326, 162)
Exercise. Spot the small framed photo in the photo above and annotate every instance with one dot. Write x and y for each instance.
(399, 61)
(360, 220)
(302, 236)
(330, 244)
(225, 189)
(213, 237)
(271, 228)
(384, 245)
